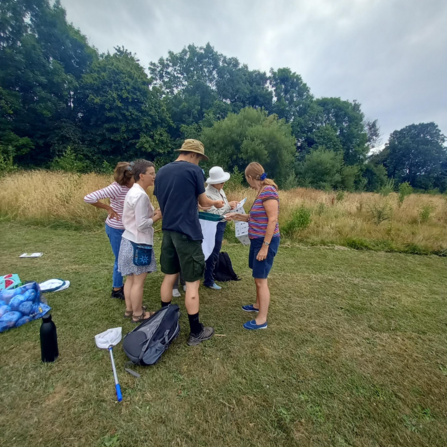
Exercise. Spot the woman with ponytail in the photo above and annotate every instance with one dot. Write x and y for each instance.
(116, 192)
(263, 231)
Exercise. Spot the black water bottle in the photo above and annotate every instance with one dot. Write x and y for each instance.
(48, 339)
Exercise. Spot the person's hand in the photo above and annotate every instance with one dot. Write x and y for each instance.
(157, 215)
(236, 216)
(219, 203)
(112, 213)
(233, 205)
(262, 254)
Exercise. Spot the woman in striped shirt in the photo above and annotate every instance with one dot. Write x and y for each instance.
(116, 192)
(263, 231)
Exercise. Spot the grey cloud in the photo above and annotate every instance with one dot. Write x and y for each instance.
(390, 55)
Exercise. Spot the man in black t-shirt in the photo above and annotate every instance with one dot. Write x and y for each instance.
(179, 187)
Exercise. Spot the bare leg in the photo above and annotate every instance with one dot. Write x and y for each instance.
(127, 292)
(136, 294)
(256, 305)
(263, 299)
(192, 297)
(176, 284)
(166, 287)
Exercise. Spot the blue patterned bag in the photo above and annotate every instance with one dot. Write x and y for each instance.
(21, 305)
(142, 254)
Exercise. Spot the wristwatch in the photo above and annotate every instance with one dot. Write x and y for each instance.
(266, 243)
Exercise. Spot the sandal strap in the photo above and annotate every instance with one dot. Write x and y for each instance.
(129, 313)
(138, 318)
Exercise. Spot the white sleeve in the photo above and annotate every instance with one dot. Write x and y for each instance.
(143, 213)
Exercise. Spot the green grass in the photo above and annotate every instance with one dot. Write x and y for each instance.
(355, 354)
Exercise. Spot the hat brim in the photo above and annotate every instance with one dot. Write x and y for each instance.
(218, 181)
(196, 152)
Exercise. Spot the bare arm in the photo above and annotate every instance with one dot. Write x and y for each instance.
(237, 216)
(271, 208)
(112, 213)
(205, 202)
(105, 193)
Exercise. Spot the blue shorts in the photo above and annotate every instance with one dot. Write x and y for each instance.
(261, 269)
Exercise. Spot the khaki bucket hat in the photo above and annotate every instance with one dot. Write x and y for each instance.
(193, 146)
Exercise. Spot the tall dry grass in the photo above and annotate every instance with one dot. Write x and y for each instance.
(352, 221)
(418, 225)
(51, 198)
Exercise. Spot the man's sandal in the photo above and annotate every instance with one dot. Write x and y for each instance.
(139, 318)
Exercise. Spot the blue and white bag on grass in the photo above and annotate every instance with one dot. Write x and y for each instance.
(21, 305)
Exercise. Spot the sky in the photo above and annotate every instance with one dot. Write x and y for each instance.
(390, 55)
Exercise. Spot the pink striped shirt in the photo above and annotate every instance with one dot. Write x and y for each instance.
(116, 193)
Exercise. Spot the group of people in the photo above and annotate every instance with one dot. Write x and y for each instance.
(180, 191)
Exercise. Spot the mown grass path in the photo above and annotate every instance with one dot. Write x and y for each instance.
(355, 354)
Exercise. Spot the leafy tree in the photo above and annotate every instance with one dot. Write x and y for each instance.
(375, 176)
(405, 190)
(200, 86)
(346, 118)
(292, 96)
(416, 154)
(41, 60)
(327, 136)
(251, 135)
(322, 169)
(373, 131)
(120, 115)
(70, 162)
(352, 179)
(339, 127)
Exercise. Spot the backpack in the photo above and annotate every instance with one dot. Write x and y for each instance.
(224, 269)
(146, 343)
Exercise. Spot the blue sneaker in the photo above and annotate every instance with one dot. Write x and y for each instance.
(214, 287)
(251, 325)
(249, 308)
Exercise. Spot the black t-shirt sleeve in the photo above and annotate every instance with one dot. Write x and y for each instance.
(200, 183)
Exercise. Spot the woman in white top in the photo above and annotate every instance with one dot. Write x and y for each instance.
(214, 191)
(116, 192)
(138, 220)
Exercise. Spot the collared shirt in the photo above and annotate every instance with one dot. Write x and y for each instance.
(214, 194)
(137, 216)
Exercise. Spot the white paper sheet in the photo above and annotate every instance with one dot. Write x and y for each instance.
(241, 228)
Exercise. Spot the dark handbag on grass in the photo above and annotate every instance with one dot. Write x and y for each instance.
(142, 254)
(224, 269)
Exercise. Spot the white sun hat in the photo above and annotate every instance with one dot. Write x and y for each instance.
(218, 175)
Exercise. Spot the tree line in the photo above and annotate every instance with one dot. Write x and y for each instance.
(65, 106)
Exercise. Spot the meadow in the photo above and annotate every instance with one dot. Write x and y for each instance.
(355, 353)
(356, 220)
